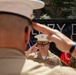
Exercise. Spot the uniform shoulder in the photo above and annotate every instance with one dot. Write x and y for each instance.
(52, 54)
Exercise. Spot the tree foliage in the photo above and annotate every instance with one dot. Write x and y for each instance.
(60, 8)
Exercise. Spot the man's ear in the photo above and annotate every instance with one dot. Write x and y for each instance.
(27, 34)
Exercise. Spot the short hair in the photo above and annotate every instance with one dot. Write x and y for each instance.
(10, 13)
(10, 25)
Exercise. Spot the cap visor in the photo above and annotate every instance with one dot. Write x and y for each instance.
(42, 42)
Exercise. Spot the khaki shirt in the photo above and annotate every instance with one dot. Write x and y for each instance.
(51, 60)
(13, 62)
(73, 62)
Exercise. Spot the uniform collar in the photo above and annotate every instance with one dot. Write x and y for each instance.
(37, 55)
(49, 53)
(7, 52)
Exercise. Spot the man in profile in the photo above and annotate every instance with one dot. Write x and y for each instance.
(15, 21)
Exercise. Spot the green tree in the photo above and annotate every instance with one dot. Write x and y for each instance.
(59, 8)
